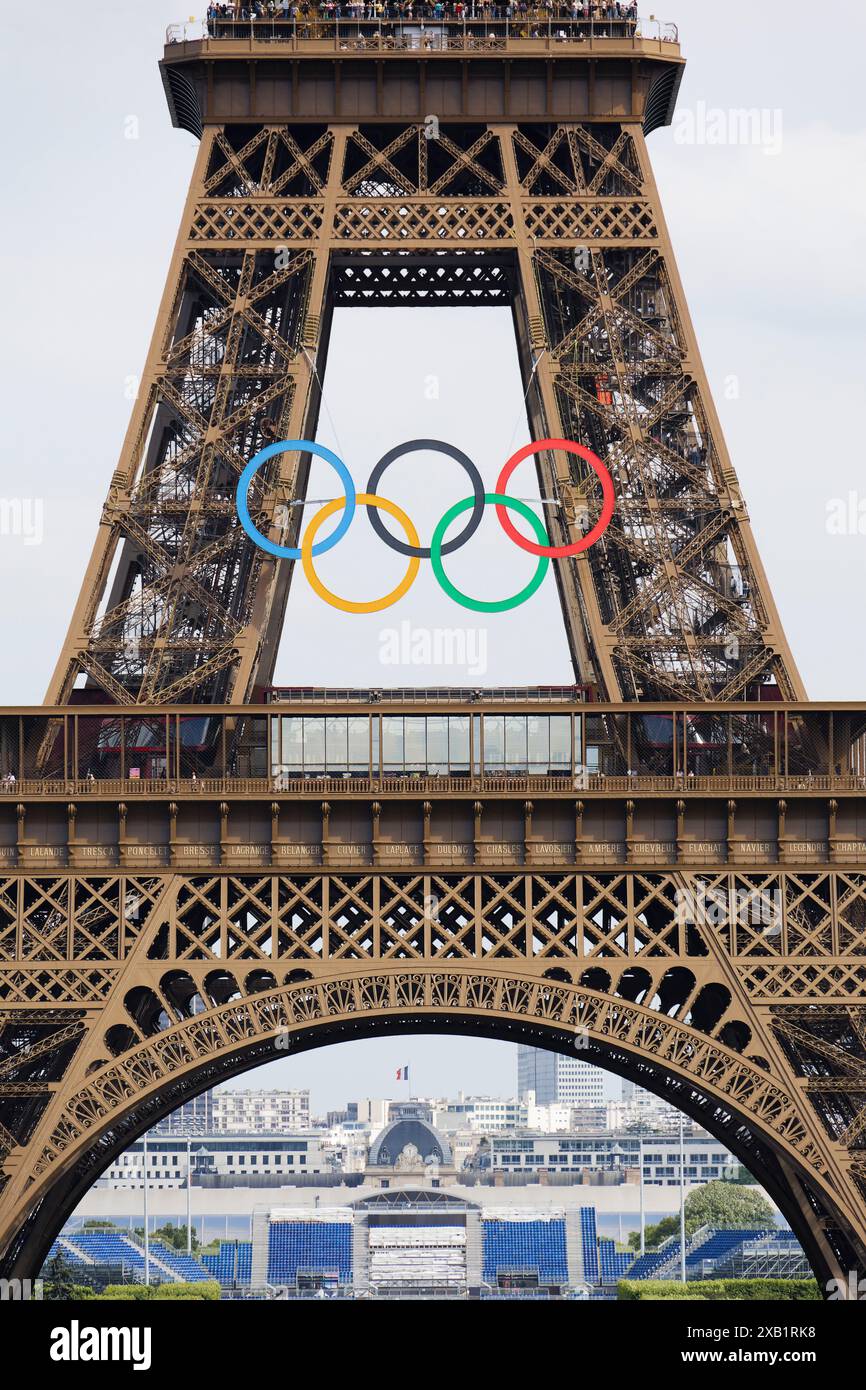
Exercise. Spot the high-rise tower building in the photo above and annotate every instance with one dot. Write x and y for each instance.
(553, 1077)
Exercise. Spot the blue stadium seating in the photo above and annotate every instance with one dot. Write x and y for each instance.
(116, 1249)
(316, 1247)
(613, 1263)
(590, 1244)
(110, 1248)
(223, 1267)
(186, 1267)
(526, 1247)
(646, 1265)
(69, 1253)
(719, 1245)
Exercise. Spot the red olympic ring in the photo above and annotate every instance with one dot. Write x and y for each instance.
(557, 551)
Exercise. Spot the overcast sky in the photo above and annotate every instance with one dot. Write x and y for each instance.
(769, 236)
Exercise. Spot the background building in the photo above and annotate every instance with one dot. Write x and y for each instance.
(371, 1112)
(483, 1114)
(554, 1077)
(260, 1112)
(615, 1155)
(193, 1117)
(224, 1111)
(237, 1159)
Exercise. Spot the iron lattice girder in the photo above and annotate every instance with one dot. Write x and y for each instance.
(382, 279)
(200, 978)
(608, 355)
(102, 942)
(636, 469)
(195, 607)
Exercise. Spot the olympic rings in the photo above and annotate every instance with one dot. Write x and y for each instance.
(558, 551)
(480, 605)
(304, 446)
(435, 446)
(308, 550)
(438, 547)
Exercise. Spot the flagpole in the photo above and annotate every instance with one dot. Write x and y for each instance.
(146, 1217)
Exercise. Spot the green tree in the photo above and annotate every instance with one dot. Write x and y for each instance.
(59, 1280)
(656, 1234)
(172, 1236)
(721, 1204)
(727, 1204)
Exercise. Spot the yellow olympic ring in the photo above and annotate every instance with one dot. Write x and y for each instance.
(366, 499)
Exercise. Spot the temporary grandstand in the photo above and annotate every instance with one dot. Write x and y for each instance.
(728, 1252)
(308, 1249)
(778, 1255)
(232, 1264)
(101, 1257)
(417, 1259)
(429, 1243)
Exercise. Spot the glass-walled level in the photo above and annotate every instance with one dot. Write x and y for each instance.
(787, 748)
(436, 745)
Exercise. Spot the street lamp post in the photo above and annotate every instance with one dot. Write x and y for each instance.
(642, 1212)
(146, 1218)
(682, 1204)
(188, 1198)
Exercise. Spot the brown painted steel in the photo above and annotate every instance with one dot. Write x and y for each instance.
(693, 910)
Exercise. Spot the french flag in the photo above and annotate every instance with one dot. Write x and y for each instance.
(403, 1073)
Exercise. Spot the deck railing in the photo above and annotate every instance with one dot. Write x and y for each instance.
(397, 33)
(151, 788)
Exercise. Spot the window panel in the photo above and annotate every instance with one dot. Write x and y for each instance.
(375, 753)
(494, 742)
(458, 744)
(359, 743)
(437, 743)
(392, 742)
(336, 743)
(292, 757)
(539, 743)
(515, 742)
(415, 743)
(314, 745)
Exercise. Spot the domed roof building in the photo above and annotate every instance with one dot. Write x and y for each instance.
(410, 1144)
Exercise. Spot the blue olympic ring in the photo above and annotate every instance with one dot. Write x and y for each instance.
(304, 446)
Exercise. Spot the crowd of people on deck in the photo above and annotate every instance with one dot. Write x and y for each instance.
(621, 16)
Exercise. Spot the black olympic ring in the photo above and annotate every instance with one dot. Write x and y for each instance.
(436, 446)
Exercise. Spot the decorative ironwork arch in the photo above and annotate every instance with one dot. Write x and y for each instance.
(736, 1101)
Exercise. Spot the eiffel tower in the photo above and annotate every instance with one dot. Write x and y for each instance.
(662, 865)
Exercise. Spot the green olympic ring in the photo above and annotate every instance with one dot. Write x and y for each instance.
(496, 605)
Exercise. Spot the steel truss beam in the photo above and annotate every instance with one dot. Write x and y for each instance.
(119, 988)
(126, 986)
(562, 222)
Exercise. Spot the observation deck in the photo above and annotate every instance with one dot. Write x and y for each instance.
(353, 779)
(539, 67)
